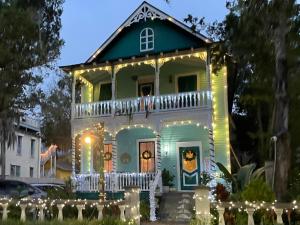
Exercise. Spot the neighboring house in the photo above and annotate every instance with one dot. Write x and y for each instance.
(23, 159)
(152, 88)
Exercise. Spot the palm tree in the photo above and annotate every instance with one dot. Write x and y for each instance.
(7, 137)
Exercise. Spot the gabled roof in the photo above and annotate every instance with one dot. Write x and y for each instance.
(143, 12)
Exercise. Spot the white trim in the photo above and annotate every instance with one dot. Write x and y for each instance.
(147, 37)
(139, 14)
(187, 75)
(187, 144)
(138, 151)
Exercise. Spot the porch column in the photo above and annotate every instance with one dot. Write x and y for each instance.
(73, 96)
(114, 154)
(157, 72)
(73, 155)
(158, 153)
(114, 72)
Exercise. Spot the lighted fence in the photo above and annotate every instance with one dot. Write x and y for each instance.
(203, 206)
(129, 208)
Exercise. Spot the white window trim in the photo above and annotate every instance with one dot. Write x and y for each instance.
(147, 42)
(138, 151)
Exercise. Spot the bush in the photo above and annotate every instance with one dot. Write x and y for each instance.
(145, 211)
(257, 190)
(167, 178)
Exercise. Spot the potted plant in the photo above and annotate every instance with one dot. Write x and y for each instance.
(167, 180)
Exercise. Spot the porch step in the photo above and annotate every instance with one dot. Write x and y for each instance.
(176, 207)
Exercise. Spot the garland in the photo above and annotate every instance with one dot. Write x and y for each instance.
(189, 155)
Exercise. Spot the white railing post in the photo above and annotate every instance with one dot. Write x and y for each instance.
(202, 204)
(132, 196)
(122, 212)
(250, 212)
(60, 216)
(79, 209)
(4, 211)
(100, 211)
(279, 213)
(221, 211)
(23, 212)
(41, 212)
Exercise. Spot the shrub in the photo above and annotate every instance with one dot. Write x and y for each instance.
(145, 211)
(167, 178)
(257, 190)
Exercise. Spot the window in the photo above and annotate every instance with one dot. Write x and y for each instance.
(19, 144)
(146, 40)
(187, 83)
(108, 158)
(15, 171)
(146, 89)
(32, 148)
(147, 156)
(31, 171)
(105, 92)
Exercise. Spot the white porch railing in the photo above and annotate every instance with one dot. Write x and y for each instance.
(169, 102)
(114, 181)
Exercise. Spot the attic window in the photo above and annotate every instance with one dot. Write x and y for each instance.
(146, 40)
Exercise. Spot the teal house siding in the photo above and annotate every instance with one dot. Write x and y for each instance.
(167, 37)
(127, 143)
(171, 135)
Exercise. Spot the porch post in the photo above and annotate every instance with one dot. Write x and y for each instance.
(157, 73)
(113, 84)
(158, 152)
(73, 155)
(73, 96)
(114, 153)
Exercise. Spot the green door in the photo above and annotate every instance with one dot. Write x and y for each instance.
(189, 160)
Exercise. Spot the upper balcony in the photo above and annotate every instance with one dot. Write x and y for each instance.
(148, 104)
(180, 81)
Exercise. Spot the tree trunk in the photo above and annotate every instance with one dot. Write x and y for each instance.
(3, 160)
(281, 111)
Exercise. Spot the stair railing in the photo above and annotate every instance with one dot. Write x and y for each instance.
(154, 184)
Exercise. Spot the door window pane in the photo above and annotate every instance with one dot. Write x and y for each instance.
(147, 156)
(108, 167)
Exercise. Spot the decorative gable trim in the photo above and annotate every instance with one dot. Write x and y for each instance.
(143, 12)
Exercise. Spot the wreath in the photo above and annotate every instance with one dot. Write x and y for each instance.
(107, 156)
(146, 155)
(189, 155)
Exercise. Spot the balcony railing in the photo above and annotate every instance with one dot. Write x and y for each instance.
(114, 181)
(171, 102)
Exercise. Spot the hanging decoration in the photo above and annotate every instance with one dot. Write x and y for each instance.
(107, 156)
(189, 155)
(146, 155)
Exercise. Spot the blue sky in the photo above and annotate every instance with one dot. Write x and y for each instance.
(88, 23)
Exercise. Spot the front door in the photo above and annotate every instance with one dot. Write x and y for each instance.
(189, 165)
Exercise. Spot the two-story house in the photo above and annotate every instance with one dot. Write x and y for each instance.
(151, 87)
(23, 158)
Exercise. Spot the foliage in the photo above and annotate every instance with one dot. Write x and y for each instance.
(29, 40)
(145, 211)
(221, 193)
(257, 190)
(205, 178)
(65, 193)
(243, 177)
(167, 178)
(56, 114)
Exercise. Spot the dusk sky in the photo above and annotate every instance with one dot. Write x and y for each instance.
(87, 24)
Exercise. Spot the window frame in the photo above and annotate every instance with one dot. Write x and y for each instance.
(32, 147)
(147, 42)
(16, 170)
(19, 144)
